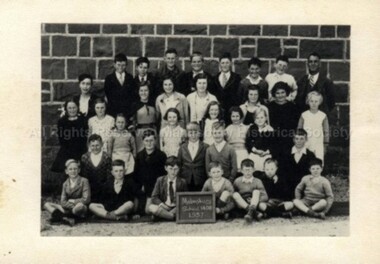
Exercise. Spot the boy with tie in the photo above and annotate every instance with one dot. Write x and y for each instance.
(119, 88)
(143, 76)
(226, 85)
(191, 156)
(164, 192)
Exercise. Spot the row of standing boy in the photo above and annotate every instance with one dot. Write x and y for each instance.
(143, 115)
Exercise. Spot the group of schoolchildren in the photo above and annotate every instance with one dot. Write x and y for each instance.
(250, 141)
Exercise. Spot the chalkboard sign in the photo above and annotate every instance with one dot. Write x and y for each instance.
(195, 207)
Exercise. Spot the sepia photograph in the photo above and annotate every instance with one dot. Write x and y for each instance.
(195, 129)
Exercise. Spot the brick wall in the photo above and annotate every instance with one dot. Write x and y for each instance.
(71, 49)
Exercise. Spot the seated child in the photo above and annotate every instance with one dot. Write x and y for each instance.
(222, 152)
(192, 158)
(236, 133)
(122, 145)
(164, 192)
(102, 123)
(149, 165)
(314, 195)
(117, 195)
(280, 75)
(172, 135)
(96, 165)
(294, 164)
(249, 192)
(222, 188)
(276, 190)
(75, 196)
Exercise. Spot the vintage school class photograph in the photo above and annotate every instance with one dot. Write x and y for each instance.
(195, 130)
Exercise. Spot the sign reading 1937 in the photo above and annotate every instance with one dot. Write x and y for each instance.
(195, 207)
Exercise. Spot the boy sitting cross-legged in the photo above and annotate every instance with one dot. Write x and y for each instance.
(164, 192)
(250, 192)
(314, 195)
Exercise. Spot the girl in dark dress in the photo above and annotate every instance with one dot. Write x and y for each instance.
(72, 135)
(283, 116)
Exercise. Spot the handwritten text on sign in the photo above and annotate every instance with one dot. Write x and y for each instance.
(195, 207)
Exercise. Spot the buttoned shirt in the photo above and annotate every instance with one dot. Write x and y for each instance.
(227, 74)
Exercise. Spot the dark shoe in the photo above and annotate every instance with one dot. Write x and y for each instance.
(226, 216)
(154, 218)
(68, 221)
(287, 215)
(56, 216)
(311, 213)
(248, 218)
(258, 216)
(322, 216)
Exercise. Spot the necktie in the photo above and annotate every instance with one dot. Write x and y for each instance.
(224, 79)
(171, 192)
(311, 81)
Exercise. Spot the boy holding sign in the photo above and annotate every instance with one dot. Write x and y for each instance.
(164, 192)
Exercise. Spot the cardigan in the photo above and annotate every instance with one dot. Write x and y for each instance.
(148, 167)
(81, 193)
(187, 83)
(160, 191)
(96, 175)
(246, 189)
(226, 157)
(193, 168)
(112, 200)
(314, 189)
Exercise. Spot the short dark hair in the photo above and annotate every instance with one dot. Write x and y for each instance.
(210, 104)
(171, 50)
(168, 77)
(85, 76)
(300, 132)
(196, 54)
(236, 109)
(218, 124)
(247, 163)
(142, 60)
(316, 161)
(271, 160)
(172, 110)
(199, 76)
(280, 86)
(100, 100)
(121, 115)
(252, 87)
(95, 137)
(254, 61)
(214, 164)
(118, 162)
(282, 58)
(315, 54)
(120, 57)
(225, 55)
(148, 133)
(71, 100)
(172, 161)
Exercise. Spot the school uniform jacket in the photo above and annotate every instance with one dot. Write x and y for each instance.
(160, 191)
(120, 97)
(112, 200)
(292, 172)
(193, 168)
(229, 95)
(81, 193)
(187, 83)
(323, 85)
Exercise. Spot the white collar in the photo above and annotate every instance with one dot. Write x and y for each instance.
(196, 73)
(118, 182)
(295, 150)
(315, 76)
(174, 181)
(194, 143)
(253, 80)
(220, 145)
